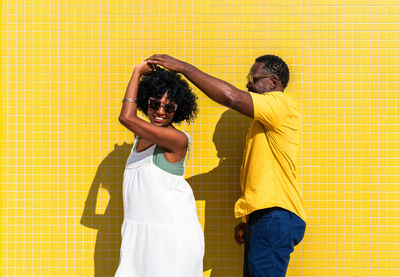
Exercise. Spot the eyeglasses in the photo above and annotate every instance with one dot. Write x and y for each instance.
(252, 79)
(156, 104)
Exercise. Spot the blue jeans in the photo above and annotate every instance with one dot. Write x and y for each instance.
(270, 238)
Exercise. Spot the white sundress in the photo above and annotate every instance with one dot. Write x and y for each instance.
(161, 233)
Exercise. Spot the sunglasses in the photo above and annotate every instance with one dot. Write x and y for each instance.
(252, 79)
(168, 107)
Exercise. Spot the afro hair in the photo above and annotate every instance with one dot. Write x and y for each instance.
(178, 91)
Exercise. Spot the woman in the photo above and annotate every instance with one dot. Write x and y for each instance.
(161, 233)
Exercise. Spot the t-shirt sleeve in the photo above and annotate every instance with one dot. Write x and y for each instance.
(269, 109)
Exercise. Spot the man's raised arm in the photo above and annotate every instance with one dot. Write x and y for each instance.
(218, 90)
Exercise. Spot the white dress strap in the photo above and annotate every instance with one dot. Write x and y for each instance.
(139, 158)
(189, 146)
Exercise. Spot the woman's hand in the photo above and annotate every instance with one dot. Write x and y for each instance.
(144, 68)
(167, 62)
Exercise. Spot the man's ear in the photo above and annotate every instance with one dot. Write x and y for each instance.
(275, 83)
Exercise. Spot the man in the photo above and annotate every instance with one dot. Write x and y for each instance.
(271, 206)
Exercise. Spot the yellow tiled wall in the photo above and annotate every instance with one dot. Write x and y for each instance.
(65, 66)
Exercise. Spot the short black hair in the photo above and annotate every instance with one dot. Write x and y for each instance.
(161, 81)
(276, 66)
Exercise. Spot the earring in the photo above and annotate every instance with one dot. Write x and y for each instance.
(272, 87)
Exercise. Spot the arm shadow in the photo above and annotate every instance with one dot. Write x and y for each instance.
(109, 177)
(220, 188)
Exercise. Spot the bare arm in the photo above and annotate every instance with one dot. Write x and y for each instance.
(169, 138)
(218, 90)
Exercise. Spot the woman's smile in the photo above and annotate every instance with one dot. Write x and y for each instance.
(160, 117)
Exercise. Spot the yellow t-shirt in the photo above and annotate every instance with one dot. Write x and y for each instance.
(268, 171)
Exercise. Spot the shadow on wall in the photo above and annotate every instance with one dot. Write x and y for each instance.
(109, 176)
(220, 187)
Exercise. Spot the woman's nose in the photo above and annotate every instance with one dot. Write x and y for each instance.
(161, 109)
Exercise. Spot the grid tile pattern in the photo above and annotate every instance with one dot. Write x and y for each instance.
(64, 69)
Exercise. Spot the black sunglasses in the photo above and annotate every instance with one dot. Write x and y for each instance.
(252, 79)
(168, 107)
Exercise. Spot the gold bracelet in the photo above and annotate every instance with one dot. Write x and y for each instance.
(129, 100)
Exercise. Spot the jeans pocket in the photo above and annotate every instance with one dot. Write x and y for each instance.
(278, 231)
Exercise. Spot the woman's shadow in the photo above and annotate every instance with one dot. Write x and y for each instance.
(109, 176)
(220, 188)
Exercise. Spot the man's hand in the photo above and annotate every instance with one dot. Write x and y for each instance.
(167, 62)
(240, 231)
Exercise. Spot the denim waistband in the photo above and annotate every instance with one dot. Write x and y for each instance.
(254, 216)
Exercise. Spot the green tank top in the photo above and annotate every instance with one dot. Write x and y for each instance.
(159, 160)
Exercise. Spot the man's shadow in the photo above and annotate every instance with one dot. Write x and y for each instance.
(109, 176)
(220, 187)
